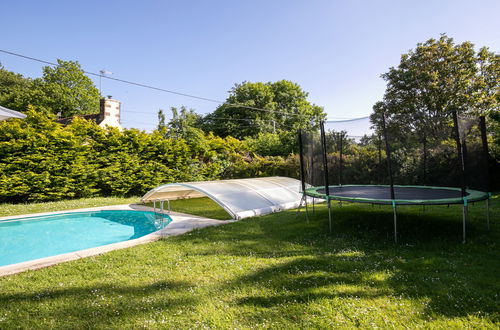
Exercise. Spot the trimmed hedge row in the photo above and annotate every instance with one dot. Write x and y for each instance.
(41, 160)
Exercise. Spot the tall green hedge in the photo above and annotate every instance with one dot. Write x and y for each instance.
(41, 160)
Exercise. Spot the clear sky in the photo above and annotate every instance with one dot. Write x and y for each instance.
(336, 50)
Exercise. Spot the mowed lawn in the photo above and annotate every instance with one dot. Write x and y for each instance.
(278, 271)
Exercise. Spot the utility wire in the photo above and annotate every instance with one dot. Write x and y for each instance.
(214, 118)
(346, 120)
(156, 88)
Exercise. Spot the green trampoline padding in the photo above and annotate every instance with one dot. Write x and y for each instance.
(404, 195)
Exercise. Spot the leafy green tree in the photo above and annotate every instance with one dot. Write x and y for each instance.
(64, 89)
(17, 92)
(162, 121)
(267, 144)
(436, 78)
(11, 84)
(69, 91)
(430, 82)
(255, 108)
(184, 123)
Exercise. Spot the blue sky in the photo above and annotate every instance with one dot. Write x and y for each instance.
(336, 50)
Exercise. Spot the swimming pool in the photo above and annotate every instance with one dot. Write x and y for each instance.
(30, 238)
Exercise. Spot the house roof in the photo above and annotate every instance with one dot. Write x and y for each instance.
(95, 117)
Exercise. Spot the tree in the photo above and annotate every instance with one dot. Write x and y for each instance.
(434, 79)
(63, 89)
(162, 122)
(69, 91)
(255, 108)
(183, 122)
(18, 92)
(430, 82)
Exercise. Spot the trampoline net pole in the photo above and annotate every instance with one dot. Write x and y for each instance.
(424, 160)
(325, 158)
(301, 158)
(486, 154)
(340, 158)
(325, 169)
(302, 174)
(486, 157)
(461, 163)
(379, 149)
(388, 151)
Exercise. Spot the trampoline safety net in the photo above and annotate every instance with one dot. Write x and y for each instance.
(448, 151)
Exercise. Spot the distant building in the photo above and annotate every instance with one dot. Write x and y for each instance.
(109, 114)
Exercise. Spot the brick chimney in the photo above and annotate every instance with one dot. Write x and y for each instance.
(110, 113)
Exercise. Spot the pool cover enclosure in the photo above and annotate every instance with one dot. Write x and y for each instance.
(444, 163)
(240, 198)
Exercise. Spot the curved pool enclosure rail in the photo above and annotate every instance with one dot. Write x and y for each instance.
(240, 198)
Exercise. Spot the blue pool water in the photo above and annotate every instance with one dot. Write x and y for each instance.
(24, 239)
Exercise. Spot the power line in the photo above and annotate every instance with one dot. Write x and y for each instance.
(214, 118)
(116, 79)
(138, 122)
(167, 91)
(131, 111)
(346, 120)
(240, 119)
(247, 120)
(156, 88)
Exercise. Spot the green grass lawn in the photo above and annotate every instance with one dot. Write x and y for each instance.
(203, 207)
(278, 271)
(15, 209)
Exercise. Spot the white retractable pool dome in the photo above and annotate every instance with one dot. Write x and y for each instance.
(241, 198)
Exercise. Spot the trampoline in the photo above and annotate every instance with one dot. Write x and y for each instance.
(406, 195)
(447, 166)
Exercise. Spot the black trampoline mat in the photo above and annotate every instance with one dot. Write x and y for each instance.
(384, 193)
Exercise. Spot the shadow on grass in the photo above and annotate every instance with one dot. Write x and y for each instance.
(430, 263)
(100, 305)
(448, 292)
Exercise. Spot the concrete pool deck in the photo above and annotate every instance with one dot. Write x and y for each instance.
(181, 224)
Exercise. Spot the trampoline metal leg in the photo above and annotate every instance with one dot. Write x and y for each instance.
(307, 210)
(464, 220)
(488, 213)
(329, 216)
(395, 224)
(304, 198)
(300, 205)
(314, 202)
